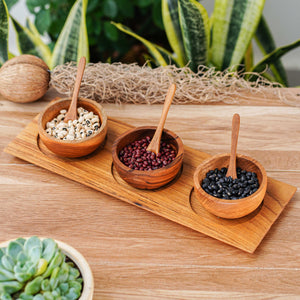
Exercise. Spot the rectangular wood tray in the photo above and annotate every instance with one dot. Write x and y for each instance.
(176, 201)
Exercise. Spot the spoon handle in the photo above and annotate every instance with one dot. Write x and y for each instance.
(234, 140)
(155, 142)
(72, 111)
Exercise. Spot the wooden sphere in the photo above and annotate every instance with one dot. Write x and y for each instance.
(150, 179)
(226, 208)
(75, 148)
(24, 78)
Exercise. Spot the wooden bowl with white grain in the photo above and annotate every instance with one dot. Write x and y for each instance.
(72, 148)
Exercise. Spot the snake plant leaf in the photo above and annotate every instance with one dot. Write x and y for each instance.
(248, 58)
(234, 24)
(3, 32)
(161, 55)
(72, 42)
(11, 3)
(30, 42)
(266, 44)
(274, 56)
(194, 23)
(173, 31)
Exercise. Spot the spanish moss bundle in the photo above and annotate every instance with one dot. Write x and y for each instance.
(130, 83)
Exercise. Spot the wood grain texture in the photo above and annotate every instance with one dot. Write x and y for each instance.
(175, 201)
(135, 254)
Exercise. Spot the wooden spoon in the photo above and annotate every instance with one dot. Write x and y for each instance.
(234, 139)
(155, 142)
(72, 111)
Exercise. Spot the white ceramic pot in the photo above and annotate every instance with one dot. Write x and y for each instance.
(80, 262)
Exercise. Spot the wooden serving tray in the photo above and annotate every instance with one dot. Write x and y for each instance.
(176, 201)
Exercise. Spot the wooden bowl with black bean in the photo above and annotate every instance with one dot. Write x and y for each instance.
(141, 168)
(77, 138)
(227, 197)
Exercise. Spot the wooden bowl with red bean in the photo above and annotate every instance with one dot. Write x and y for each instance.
(141, 168)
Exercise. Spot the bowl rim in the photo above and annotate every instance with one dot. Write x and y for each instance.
(198, 186)
(178, 157)
(102, 115)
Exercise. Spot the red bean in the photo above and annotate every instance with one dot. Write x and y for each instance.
(135, 155)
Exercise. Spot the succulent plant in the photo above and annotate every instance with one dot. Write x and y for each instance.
(35, 269)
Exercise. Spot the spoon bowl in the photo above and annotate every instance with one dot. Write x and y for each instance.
(74, 148)
(150, 179)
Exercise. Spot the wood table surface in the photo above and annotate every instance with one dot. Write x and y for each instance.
(135, 254)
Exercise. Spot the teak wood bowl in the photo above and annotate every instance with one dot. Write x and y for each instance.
(150, 179)
(75, 148)
(225, 208)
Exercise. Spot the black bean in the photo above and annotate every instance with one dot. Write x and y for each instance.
(218, 185)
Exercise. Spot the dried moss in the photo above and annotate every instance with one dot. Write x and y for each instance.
(130, 83)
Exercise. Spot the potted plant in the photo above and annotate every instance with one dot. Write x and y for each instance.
(42, 269)
(222, 41)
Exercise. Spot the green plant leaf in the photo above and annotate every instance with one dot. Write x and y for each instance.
(43, 20)
(32, 243)
(110, 31)
(34, 286)
(49, 249)
(234, 24)
(173, 31)
(6, 275)
(274, 56)
(3, 32)
(8, 262)
(110, 8)
(14, 249)
(56, 261)
(72, 42)
(10, 287)
(30, 42)
(143, 3)
(11, 3)
(158, 53)
(248, 58)
(266, 44)
(194, 23)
